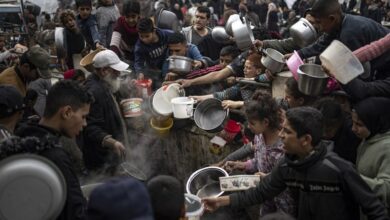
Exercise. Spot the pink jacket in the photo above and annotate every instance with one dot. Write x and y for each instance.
(373, 50)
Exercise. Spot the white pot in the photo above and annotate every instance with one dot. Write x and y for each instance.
(183, 107)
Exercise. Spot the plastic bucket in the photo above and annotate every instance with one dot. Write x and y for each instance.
(183, 107)
(160, 105)
(293, 64)
(132, 107)
(341, 62)
(194, 207)
(231, 129)
(144, 88)
(161, 127)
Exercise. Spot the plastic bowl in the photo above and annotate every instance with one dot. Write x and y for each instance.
(293, 64)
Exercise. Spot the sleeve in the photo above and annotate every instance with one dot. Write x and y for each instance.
(93, 27)
(317, 47)
(270, 186)
(139, 59)
(359, 89)
(165, 68)
(284, 46)
(373, 50)
(115, 42)
(241, 153)
(195, 53)
(232, 93)
(95, 122)
(369, 203)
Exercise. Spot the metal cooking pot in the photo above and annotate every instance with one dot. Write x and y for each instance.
(273, 60)
(31, 187)
(167, 20)
(210, 116)
(180, 65)
(243, 34)
(303, 33)
(205, 182)
(59, 38)
(312, 79)
(229, 23)
(219, 34)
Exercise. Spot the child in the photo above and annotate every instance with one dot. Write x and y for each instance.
(88, 24)
(125, 33)
(106, 15)
(264, 122)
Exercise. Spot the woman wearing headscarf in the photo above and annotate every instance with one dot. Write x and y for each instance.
(371, 122)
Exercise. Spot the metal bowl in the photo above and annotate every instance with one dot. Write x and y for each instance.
(243, 34)
(167, 20)
(229, 23)
(180, 65)
(303, 33)
(273, 60)
(219, 34)
(205, 182)
(31, 187)
(312, 79)
(210, 116)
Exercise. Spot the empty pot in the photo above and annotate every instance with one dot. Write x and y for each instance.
(229, 23)
(210, 116)
(182, 107)
(303, 33)
(219, 34)
(312, 79)
(243, 34)
(180, 65)
(207, 177)
(273, 60)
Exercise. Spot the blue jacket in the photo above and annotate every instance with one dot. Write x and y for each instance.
(355, 32)
(151, 55)
(192, 52)
(89, 29)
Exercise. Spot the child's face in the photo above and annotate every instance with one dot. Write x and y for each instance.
(70, 23)
(250, 70)
(147, 38)
(326, 24)
(225, 60)
(132, 19)
(84, 11)
(257, 126)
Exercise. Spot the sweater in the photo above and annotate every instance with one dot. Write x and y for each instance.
(124, 39)
(89, 29)
(106, 18)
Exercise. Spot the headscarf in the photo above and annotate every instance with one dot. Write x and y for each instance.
(374, 112)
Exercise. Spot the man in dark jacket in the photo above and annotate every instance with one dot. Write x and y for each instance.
(67, 106)
(325, 186)
(105, 137)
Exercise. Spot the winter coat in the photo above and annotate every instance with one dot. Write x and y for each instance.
(325, 187)
(50, 147)
(373, 164)
(89, 29)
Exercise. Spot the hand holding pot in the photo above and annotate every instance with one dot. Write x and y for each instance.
(232, 104)
(184, 82)
(170, 76)
(211, 204)
(287, 56)
(258, 43)
(202, 97)
(120, 149)
(197, 64)
(234, 165)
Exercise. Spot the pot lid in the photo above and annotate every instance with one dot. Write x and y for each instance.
(33, 184)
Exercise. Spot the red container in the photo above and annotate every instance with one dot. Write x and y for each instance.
(231, 129)
(144, 88)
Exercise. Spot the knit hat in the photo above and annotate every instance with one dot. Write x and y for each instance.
(11, 101)
(108, 58)
(120, 199)
(41, 60)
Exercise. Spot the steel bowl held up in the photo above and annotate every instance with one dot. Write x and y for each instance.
(229, 23)
(303, 33)
(243, 34)
(205, 182)
(273, 60)
(210, 116)
(312, 79)
(180, 65)
(219, 34)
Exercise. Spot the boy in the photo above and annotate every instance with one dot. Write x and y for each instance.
(88, 24)
(326, 187)
(106, 15)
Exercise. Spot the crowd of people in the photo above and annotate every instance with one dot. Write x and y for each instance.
(318, 157)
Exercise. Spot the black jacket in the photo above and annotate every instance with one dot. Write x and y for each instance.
(359, 89)
(326, 187)
(103, 120)
(51, 149)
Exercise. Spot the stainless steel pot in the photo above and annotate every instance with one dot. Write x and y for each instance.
(205, 182)
(219, 34)
(273, 60)
(210, 116)
(229, 23)
(167, 20)
(180, 65)
(312, 79)
(31, 187)
(243, 34)
(303, 33)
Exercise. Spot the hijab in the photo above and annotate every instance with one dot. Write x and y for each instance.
(374, 112)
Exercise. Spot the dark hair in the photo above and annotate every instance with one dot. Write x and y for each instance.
(229, 50)
(260, 33)
(263, 106)
(131, 6)
(332, 112)
(255, 59)
(65, 14)
(306, 120)
(145, 25)
(65, 93)
(167, 197)
(31, 95)
(293, 90)
(80, 3)
(77, 74)
(204, 9)
(324, 8)
(177, 38)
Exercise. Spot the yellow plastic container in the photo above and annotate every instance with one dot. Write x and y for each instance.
(161, 127)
